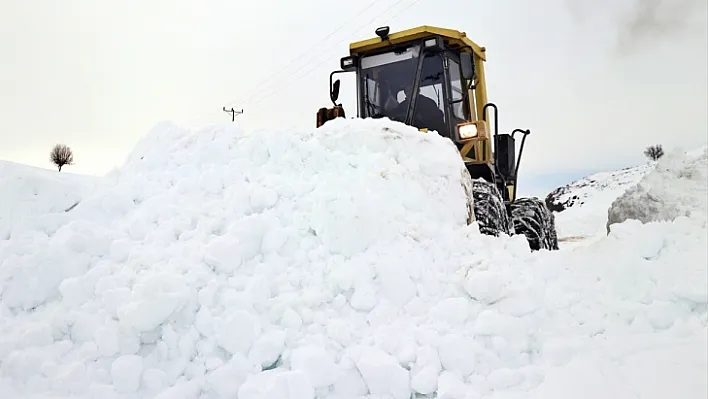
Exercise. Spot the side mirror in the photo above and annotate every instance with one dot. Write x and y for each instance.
(467, 65)
(334, 91)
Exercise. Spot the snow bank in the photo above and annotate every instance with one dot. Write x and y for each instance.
(332, 263)
(31, 194)
(580, 207)
(676, 187)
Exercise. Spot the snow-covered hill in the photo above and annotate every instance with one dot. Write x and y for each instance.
(597, 188)
(335, 263)
(581, 206)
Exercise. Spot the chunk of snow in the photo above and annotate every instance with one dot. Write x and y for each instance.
(237, 332)
(424, 374)
(126, 372)
(383, 375)
(316, 364)
(277, 384)
(227, 379)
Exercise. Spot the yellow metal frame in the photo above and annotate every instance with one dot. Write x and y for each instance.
(481, 146)
(454, 36)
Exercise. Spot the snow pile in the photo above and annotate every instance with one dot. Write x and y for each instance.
(211, 251)
(676, 187)
(332, 263)
(30, 193)
(576, 206)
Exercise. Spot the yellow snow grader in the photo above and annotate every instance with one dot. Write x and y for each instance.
(445, 70)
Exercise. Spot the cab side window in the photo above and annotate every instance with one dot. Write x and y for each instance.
(458, 108)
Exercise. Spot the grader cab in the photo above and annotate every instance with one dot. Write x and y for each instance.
(433, 79)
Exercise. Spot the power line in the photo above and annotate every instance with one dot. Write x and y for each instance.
(291, 73)
(290, 80)
(331, 56)
(306, 52)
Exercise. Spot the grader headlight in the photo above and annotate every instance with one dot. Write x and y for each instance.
(467, 131)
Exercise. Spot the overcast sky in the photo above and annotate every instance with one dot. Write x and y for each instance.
(595, 81)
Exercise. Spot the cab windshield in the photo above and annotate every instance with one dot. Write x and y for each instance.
(387, 82)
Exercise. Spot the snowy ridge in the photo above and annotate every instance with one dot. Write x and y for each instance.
(335, 263)
(29, 192)
(598, 187)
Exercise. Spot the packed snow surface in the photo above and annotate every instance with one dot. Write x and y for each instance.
(335, 263)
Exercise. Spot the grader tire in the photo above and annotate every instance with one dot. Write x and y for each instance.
(489, 210)
(532, 218)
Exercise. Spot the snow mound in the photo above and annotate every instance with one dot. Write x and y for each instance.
(330, 263)
(30, 193)
(678, 186)
(228, 247)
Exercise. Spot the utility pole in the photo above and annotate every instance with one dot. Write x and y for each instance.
(233, 113)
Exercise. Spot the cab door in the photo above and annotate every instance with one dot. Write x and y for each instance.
(458, 109)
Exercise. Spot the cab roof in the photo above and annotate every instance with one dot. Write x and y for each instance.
(456, 40)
